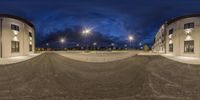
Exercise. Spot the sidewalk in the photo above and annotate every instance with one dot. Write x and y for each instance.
(12, 60)
(182, 59)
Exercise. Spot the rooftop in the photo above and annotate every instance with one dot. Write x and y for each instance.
(18, 18)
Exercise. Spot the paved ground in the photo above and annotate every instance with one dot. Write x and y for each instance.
(53, 77)
(98, 56)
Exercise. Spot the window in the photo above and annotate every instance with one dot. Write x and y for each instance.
(189, 46)
(171, 49)
(171, 31)
(14, 27)
(30, 48)
(14, 46)
(30, 34)
(188, 25)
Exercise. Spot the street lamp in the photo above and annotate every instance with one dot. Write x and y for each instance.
(130, 38)
(113, 45)
(140, 44)
(86, 32)
(94, 44)
(62, 40)
(125, 46)
(47, 44)
(77, 46)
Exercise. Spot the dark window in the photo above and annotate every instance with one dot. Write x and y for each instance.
(30, 34)
(171, 31)
(30, 48)
(188, 25)
(14, 46)
(14, 27)
(171, 49)
(189, 46)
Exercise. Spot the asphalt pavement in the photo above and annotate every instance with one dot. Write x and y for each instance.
(54, 77)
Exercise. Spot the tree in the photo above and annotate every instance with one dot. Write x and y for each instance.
(146, 47)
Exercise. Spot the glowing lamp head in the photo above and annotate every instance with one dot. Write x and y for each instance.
(87, 31)
(188, 38)
(140, 43)
(94, 43)
(187, 31)
(15, 38)
(130, 38)
(62, 40)
(170, 41)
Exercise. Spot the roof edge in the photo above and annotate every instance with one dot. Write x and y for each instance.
(181, 17)
(18, 18)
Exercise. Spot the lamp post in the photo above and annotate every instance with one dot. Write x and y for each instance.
(47, 45)
(113, 45)
(77, 46)
(62, 40)
(94, 44)
(125, 46)
(130, 38)
(85, 33)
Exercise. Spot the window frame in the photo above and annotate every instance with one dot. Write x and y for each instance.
(15, 46)
(15, 27)
(189, 46)
(189, 25)
(171, 31)
(30, 34)
(171, 47)
(30, 47)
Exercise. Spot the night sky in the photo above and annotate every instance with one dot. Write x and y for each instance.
(111, 20)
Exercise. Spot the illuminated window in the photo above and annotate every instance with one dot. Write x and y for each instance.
(14, 46)
(188, 25)
(14, 27)
(30, 43)
(189, 46)
(171, 49)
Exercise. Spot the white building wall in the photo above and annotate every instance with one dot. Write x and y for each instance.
(23, 37)
(179, 36)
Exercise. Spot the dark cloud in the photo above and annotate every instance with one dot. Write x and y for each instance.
(74, 36)
(116, 18)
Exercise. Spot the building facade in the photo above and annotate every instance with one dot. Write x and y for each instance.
(160, 41)
(182, 36)
(17, 36)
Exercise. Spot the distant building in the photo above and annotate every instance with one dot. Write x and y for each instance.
(179, 36)
(17, 36)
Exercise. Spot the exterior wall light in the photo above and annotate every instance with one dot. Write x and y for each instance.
(170, 36)
(188, 38)
(187, 31)
(15, 32)
(15, 38)
(170, 41)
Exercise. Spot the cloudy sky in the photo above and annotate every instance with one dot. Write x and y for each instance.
(113, 19)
